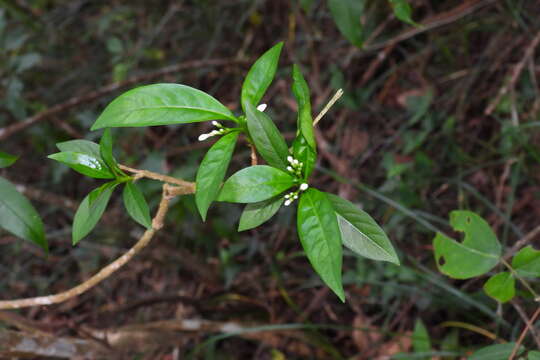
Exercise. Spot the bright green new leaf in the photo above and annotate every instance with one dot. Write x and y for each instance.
(136, 205)
(300, 90)
(478, 253)
(254, 184)
(212, 172)
(420, 339)
(403, 11)
(84, 164)
(258, 213)
(360, 233)
(501, 287)
(106, 151)
(346, 15)
(494, 352)
(81, 146)
(7, 159)
(527, 262)
(19, 217)
(90, 211)
(161, 104)
(267, 138)
(320, 237)
(260, 76)
(305, 154)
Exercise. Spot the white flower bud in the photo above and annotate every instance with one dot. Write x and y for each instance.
(203, 137)
(295, 162)
(215, 123)
(290, 159)
(290, 169)
(261, 107)
(287, 196)
(304, 187)
(288, 202)
(295, 197)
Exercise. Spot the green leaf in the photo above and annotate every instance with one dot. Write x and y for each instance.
(501, 287)
(320, 237)
(476, 255)
(161, 104)
(526, 262)
(300, 90)
(254, 184)
(212, 172)
(81, 146)
(19, 217)
(346, 15)
(360, 233)
(258, 213)
(260, 76)
(420, 339)
(84, 164)
(305, 154)
(90, 211)
(494, 352)
(403, 11)
(106, 151)
(267, 138)
(533, 355)
(136, 205)
(7, 159)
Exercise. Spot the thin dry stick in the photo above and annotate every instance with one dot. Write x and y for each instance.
(522, 242)
(523, 315)
(155, 176)
(332, 101)
(254, 160)
(528, 326)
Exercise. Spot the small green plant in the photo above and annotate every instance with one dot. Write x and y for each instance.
(325, 222)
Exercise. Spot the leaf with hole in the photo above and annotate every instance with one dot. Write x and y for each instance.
(18, 216)
(267, 139)
(254, 184)
(258, 213)
(212, 171)
(478, 253)
(526, 262)
(320, 237)
(7, 159)
(501, 287)
(162, 104)
(346, 15)
(360, 233)
(84, 164)
(90, 211)
(260, 76)
(136, 205)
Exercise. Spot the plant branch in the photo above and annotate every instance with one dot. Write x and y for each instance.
(164, 178)
(332, 101)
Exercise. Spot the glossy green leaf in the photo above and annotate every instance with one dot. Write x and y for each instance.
(19, 217)
(90, 211)
(258, 213)
(305, 154)
(478, 253)
(421, 341)
(268, 140)
(260, 76)
(346, 15)
(161, 104)
(7, 159)
(212, 171)
(402, 10)
(527, 262)
(106, 151)
(254, 184)
(84, 164)
(501, 287)
(81, 146)
(320, 237)
(360, 233)
(136, 205)
(301, 93)
(494, 352)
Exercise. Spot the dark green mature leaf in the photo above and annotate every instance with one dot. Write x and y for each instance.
(84, 164)
(305, 120)
(320, 237)
(402, 10)
(106, 151)
(527, 262)
(19, 217)
(258, 213)
(305, 154)
(212, 172)
(7, 159)
(260, 76)
(360, 233)
(478, 253)
(495, 352)
(254, 184)
(136, 205)
(346, 15)
(90, 211)
(81, 146)
(267, 138)
(161, 104)
(501, 287)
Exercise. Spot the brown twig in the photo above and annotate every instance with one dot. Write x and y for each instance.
(528, 326)
(91, 96)
(254, 160)
(155, 176)
(522, 242)
(523, 315)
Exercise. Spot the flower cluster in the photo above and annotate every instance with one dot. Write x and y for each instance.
(295, 166)
(220, 131)
(293, 195)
